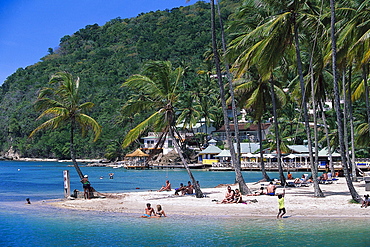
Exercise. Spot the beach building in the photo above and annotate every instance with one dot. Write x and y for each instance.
(207, 156)
(152, 139)
(136, 160)
(247, 131)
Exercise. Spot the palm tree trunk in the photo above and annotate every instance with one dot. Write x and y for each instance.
(345, 119)
(351, 188)
(244, 190)
(331, 166)
(318, 192)
(277, 136)
(72, 150)
(350, 112)
(366, 86)
(198, 191)
(263, 169)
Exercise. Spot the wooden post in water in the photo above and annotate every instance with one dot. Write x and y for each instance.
(67, 188)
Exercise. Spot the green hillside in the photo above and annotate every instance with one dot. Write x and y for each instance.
(104, 57)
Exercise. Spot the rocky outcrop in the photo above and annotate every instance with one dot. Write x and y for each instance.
(11, 154)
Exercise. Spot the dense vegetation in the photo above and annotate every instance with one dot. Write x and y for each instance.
(103, 57)
(284, 45)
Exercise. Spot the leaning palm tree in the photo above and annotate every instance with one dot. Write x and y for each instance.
(158, 89)
(62, 103)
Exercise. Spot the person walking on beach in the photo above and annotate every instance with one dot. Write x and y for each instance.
(86, 186)
(281, 203)
(149, 211)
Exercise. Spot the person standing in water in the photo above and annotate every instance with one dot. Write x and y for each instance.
(281, 203)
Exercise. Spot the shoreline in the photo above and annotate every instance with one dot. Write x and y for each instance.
(299, 203)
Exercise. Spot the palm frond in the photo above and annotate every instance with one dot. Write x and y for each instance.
(134, 134)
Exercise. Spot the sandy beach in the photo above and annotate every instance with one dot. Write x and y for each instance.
(299, 202)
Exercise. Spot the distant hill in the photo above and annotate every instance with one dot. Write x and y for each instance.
(103, 57)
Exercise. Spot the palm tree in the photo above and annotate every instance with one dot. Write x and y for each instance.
(158, 91)
(235, 156)
(63, 104)
(351, 188)
(269, 42)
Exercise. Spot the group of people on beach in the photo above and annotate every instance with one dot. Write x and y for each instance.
(184, 190)
(234, 196)
(149, 212)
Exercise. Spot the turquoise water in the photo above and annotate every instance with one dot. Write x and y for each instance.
(41, 225)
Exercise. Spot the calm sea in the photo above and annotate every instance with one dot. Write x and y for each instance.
(32, 225)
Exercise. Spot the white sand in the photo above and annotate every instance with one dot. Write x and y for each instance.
(299, 202)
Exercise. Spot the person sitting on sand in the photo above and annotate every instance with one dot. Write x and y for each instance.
(271, 189)
(189, 189)
(149, 211)
(366, 201)
(229, 196)
(160, 211)
(180, 189)
(166, 187)
(238, 196)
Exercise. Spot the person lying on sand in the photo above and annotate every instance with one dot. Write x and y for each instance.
(258, 192)
(149, 211)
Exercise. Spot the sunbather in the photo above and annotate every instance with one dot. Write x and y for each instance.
(366, 201)
(229, 196)
(166, 187)
(149, 211)
(258, 192)
(271, 189)
(238, 196)
(160, 212)
(180, 189)
(188, 189)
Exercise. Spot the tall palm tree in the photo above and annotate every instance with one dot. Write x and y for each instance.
(273, 39)
(338, 110)
(236, 155)
(158, 91)
(63, 104)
